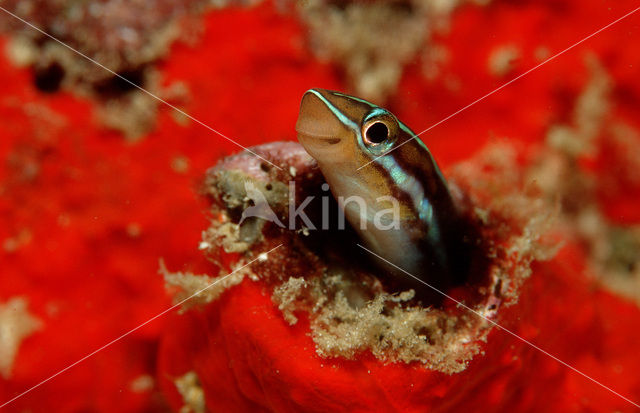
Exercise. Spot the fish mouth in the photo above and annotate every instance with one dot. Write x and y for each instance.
(306, 138)
(323, 149)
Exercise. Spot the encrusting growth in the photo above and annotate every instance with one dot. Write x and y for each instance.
(351, 307)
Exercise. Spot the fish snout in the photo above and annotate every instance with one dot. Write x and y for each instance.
(320, 127)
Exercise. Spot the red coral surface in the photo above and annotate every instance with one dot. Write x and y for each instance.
(85, 217)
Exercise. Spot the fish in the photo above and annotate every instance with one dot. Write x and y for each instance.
(387, 184)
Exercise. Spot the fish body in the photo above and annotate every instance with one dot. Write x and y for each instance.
(409, 217)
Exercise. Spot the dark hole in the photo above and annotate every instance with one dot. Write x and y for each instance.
(498, 288)
(405, 7)
(116, 85)
(377, 133)
(48, 78)
(338, 4)
(265, 167)
(268, 187)
(426, 333)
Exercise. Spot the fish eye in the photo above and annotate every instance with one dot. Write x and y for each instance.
(379, 130)
(376, 132)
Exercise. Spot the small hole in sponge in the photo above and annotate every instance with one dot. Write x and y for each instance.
(49, 78)
(116, 85)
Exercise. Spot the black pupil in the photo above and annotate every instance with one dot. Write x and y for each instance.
(377, 133)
